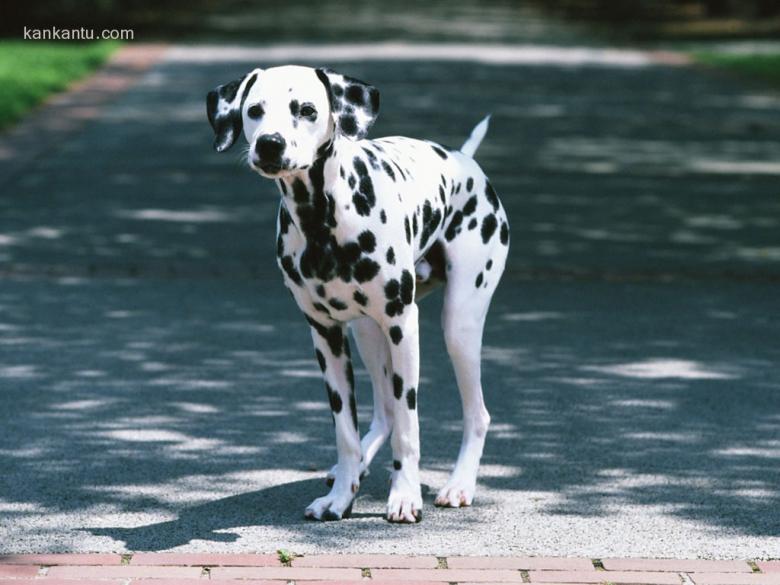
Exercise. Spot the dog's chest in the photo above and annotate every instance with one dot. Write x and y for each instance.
(354, 225)
(329, 261)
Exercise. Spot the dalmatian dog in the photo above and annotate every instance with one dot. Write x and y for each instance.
(365, 229)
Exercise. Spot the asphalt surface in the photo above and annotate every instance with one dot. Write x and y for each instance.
(159, 391)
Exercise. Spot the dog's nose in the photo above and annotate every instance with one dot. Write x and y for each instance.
(270, 146)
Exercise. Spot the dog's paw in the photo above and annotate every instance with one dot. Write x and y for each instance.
(330, 507)
(330, 478)
(403, 506)
(455, 495)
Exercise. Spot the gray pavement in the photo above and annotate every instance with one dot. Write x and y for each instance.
(158, 386)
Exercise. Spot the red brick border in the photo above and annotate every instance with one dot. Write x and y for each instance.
(375, 569)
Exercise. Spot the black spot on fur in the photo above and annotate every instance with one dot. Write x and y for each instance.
(414, 224)
(388, 169)
(320, 290)
(321, 308)
(454, 228)
(398, 386)
(491, 195)
(353, 409)
(350, 374)
(399, 294)
(355, 95)
(489, 225)
(407, 287)
(333, 335)
(364, 198)
(348, 124)
(367, 241)
(471, 206)
(473, 223)
(504, 233)
(372, 160)
(334, 399)
(325, 150)
(284, 218)
(283, 186)
(396, 334)
(346, 257)
(320, 359)
(394, 308)
(408, 230)
(390, 256)
(399, 169)
(396, 465)
(337, 304)
(300, 192)
(489, 265)
(469, 184)
(335, 339)
(392, 288)
(383, 216)
(365, 270)
(430, 221)
(289, 268)
(411, 398)
(439, 151)
(295, 107)
(478, 282)
(360, 298)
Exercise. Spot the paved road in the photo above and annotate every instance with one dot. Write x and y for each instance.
(158, 386)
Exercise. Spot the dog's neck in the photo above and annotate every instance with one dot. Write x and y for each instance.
(303, 191)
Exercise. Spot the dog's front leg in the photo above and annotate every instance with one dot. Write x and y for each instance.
(372, 347)
(332, 349)
(405, 501)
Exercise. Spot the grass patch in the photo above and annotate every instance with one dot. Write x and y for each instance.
(764, 66)
(286, 556)
(30, 71)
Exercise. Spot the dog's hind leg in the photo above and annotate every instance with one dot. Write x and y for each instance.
(373, 349)
(471, 280)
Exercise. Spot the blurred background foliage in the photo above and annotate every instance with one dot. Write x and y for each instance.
(706, 29)
(29, 71)
(259, 20)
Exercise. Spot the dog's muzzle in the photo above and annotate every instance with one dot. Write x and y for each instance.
(268, 152)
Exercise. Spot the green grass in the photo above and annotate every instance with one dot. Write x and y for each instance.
(285, 556)
(30, 71)
(761, 66)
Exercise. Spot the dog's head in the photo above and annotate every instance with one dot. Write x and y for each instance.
(290, 115)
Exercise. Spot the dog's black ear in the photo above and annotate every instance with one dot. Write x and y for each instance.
(223, 107)
(354, 104)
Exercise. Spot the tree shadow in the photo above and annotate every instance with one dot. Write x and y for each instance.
(153, 365)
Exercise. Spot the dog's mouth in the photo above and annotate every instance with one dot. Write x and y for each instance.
(270, 168)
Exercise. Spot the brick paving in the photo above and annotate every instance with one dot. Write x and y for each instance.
(255, 569)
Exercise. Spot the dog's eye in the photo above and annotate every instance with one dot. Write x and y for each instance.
(255, 111)
(307, 111)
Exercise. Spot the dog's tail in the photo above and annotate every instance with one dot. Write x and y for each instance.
(477, 134)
